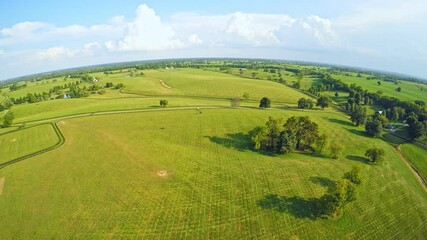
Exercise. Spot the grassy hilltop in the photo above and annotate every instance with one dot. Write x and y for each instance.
(117, 165)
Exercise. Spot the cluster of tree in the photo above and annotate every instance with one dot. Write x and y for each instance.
(304, 103)
(417, 129)
(6, 104)
(297, 133)
(32, 98)
(18, 85)
(323, 101)
(8, 119)
(341, 193)
(374, 127)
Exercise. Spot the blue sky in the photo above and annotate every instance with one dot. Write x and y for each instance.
(38, 36)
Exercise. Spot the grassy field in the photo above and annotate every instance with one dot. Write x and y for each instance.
(26, 141)
(185, 174)
(410, 91)
(194, 82)
(213, 185)
(417, 156)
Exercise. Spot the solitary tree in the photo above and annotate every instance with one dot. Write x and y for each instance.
(163, 103)
(379, 83)
(337, 197)
(323, 102)
(336, 94)
(335, 150)
(235, 102)
(354, 175)
(399, 89)
(265, 102)
(375, 155)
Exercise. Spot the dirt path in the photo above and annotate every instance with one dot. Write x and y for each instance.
(410, 166)
(165, 85)
(1, 185)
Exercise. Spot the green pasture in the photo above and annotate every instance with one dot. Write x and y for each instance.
(194, 82)
(188, 175)
(410, 90)
(417, 156)
(20, 143)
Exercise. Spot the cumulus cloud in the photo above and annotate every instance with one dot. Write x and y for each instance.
(147, 32)
(55, 53)
(194, 39)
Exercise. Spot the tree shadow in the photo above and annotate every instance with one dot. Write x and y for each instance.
(358, 132)
(298, 207)
(339, 121)
(322, 181)
(239, 141)
(357, 158)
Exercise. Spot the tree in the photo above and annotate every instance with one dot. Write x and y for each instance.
(287, 142)
(373, 128)
(273, 131)
(336, 94)
(358, 115)
(7, 103)
(375, 155)
(399, 89)
(8, 119)
(305, 103)
(323, 102)
(354, 175)
(337, 197)
(258, 135)
(265, 103)
(383, 119)
(163, 103)
(421, 103)
(417, 129)
(379, 83)
(235, 102)
(335, 150)
(395, 114)
(305, 131)
(321, 143)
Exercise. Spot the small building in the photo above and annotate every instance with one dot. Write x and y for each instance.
(66, 95)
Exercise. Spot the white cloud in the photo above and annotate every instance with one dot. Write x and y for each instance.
(258, 29)
(2, 52)
(147, 32)
(55, 53)
(383, 12)
(194, 39)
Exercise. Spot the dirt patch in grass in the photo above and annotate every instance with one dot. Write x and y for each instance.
(162, 173)
(1, 184)
(165, 85)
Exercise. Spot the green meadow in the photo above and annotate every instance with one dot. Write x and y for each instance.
(130, 169)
